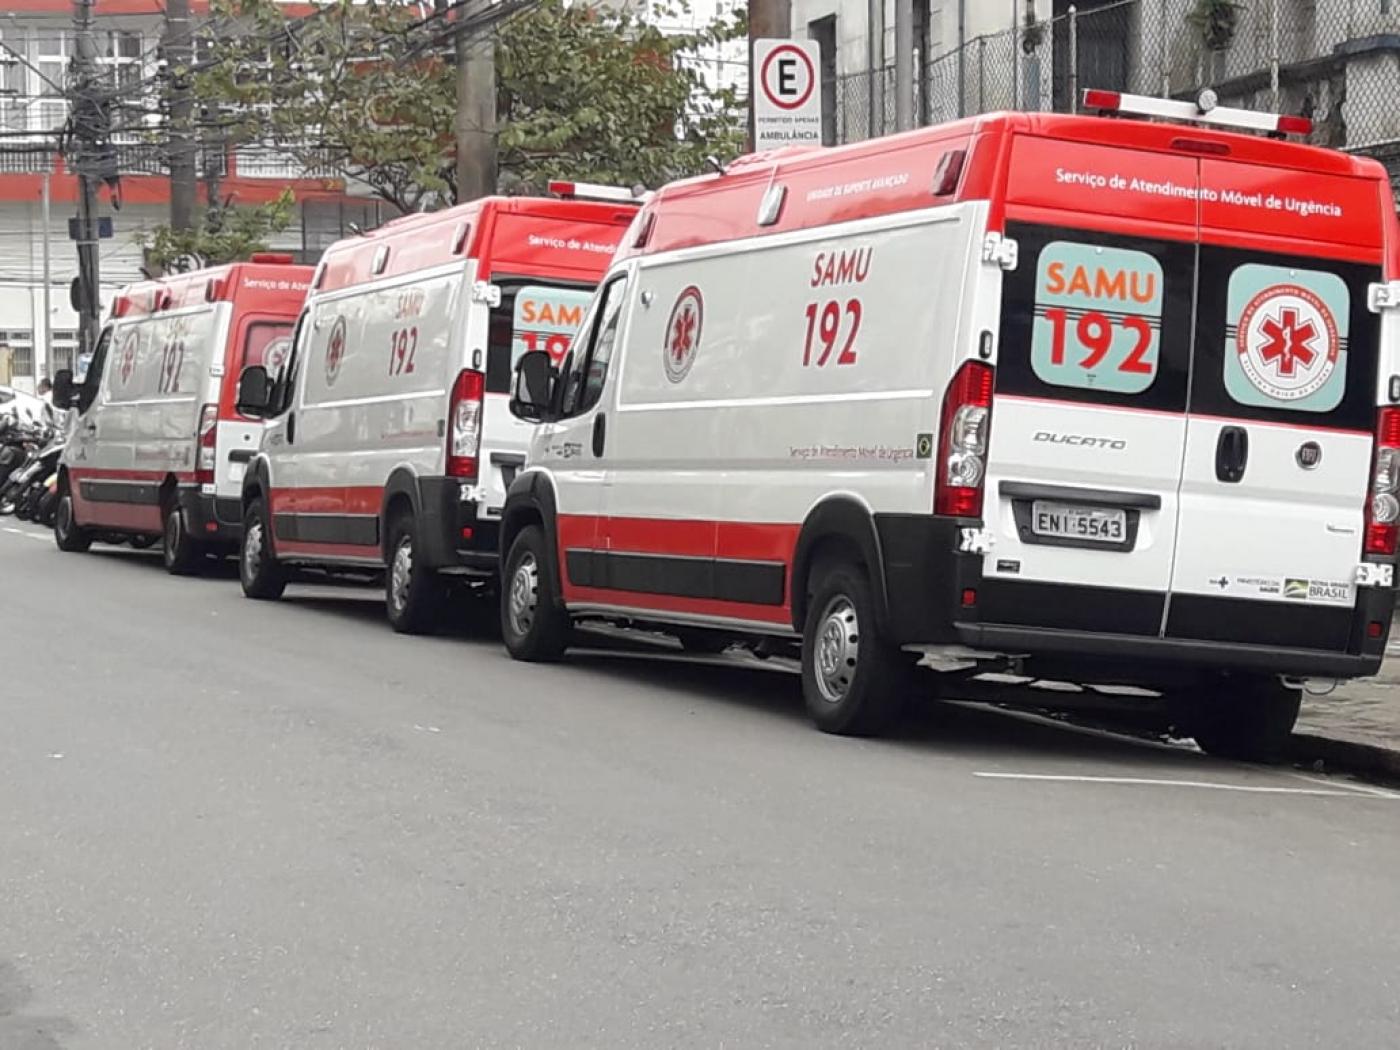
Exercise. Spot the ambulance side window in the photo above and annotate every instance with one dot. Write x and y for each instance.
(589, 374)
(92, 379)
(284, 372)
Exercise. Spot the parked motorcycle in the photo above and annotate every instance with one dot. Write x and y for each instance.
(18, 441)
(23, 492)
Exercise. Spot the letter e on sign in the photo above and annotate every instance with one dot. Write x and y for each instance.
(788, 102)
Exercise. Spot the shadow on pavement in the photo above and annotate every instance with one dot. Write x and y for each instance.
(932, 725)
(20, 1031)
(465, 619)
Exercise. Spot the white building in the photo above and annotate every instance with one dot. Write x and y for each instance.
(36, 46)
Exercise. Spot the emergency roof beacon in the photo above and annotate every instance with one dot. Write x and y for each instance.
(1098, 400)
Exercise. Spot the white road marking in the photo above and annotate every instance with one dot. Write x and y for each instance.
(1207, 785)
(40, 536)
(1360, 789)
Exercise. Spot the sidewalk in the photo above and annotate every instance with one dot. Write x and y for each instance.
(1357, 727)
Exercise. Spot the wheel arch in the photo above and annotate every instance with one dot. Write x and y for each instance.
(841, 522)
(256, 485)
(531, 501)
(400, 490)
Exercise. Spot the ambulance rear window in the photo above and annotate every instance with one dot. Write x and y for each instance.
(1097, 318)
(266, 343)
(532, 316)
(1285, 339)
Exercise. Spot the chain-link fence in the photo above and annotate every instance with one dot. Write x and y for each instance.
(1336, 61)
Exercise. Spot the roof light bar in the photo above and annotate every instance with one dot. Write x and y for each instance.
(1205, 110)
(597, 192)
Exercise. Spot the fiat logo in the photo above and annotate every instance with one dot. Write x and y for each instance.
(1309, 455)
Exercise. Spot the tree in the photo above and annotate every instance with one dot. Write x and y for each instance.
(366, 91)
(222, 235)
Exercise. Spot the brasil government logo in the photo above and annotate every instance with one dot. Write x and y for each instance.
(1287, 342)
(683, 333)
(335, 351)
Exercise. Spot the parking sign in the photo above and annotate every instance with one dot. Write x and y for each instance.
(788, 102)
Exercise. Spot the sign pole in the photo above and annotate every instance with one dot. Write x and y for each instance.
(768, 20)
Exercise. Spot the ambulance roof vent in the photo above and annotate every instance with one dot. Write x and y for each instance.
(1206, 109)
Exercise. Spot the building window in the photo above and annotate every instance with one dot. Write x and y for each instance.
(13, 104)
(122, 62)
(20, 343)
(51, 53)
(63, 349)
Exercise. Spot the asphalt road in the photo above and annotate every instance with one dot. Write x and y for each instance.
(235, 825)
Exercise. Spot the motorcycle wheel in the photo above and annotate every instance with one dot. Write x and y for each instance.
(44, 513)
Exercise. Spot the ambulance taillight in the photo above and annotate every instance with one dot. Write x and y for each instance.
(1383, 508)
(464, 432)
(962, 442)
(208, 436)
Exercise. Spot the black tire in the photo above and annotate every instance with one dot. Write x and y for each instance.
(1244, 718)
(141, 542)
(533, 625)
(181, 553)
(701, 642)
(259, 572)
(854, 682)
(414, 594)
(67, 533)
(48, 504)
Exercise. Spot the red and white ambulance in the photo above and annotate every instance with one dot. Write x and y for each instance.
(1105, 400)
(390, 442)
(159, 448)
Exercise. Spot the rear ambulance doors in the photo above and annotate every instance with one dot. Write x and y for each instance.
(265, 304)
(544, 259)
(1186, 394)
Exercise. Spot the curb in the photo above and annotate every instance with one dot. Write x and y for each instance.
(1366, 760)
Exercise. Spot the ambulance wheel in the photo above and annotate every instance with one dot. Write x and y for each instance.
(182, 553)
(533, 626)
(854, 682)
(67, 533)
(1248, 719)
(414, 594)
(259, 572)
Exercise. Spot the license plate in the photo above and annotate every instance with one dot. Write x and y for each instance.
(1063, 521)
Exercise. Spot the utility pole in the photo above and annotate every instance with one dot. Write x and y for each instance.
(904, 64)
(178, 46)
(88, 122)
(45, 198)
(768, 19)
(476, 108)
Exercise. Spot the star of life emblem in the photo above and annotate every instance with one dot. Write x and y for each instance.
(683, 333)
(1287, 342)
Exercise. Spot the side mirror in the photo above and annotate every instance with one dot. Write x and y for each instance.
(254, 392)
(64, 392)
(534, 383)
